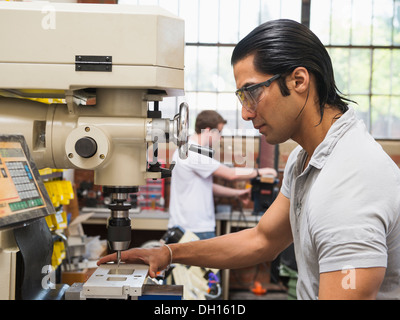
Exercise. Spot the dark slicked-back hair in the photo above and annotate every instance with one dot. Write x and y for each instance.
(280, 46)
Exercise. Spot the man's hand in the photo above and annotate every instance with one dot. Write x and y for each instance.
(244, 195)
(157, 258)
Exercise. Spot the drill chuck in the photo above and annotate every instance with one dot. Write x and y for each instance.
(119, 224)
(119, 233)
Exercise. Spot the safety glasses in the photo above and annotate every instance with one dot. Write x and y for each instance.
(250, 96)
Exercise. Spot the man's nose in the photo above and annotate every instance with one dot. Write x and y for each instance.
(247, 115)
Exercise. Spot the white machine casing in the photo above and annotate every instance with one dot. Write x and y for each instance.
(139, 56)
(40, 42)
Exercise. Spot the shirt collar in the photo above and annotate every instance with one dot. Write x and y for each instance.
(336, 131)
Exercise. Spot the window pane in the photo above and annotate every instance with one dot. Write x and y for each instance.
(395, 125)
(229, 21)
(320, 19)
(227, 101)
(208, 21)
(227, 107)
(396, 23)
(340, 61)
(291, 9)
(189, 11)
(270, 10)
(360, 62)
(362, 107)
(191, 68)
(207, 68)
(395, 108)
(288, 9)
(361, 22)
(382, 22)
(381, 117)
(341, 22)
(396, 72)
(381, 72)
(206, 101)
(249, 16)
(226, 70)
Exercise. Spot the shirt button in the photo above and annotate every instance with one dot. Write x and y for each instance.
(298, 210)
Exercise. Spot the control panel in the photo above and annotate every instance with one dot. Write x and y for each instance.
(21, 196)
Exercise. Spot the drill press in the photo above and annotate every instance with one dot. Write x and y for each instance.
(124, 65)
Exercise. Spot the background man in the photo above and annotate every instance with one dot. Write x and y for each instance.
(192, 188)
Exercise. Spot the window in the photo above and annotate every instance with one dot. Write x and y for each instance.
(363, 39)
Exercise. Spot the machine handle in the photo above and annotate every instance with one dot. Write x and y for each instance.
(182, 137)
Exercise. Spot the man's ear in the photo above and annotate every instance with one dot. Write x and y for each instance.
(299, 80)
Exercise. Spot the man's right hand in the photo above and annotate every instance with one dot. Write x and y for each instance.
(157, 258)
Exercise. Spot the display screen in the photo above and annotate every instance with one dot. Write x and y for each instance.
(11, 152)
(21, 196)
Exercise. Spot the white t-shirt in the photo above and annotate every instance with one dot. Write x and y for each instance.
(191, 197)
(344, 208)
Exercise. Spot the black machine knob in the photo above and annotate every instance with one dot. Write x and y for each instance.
(86, 147)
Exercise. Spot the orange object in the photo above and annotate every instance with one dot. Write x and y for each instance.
(258, 288)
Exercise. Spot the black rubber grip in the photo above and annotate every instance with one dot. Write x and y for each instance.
(119, 229)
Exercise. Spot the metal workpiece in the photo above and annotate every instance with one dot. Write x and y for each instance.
(78, 291)
(111, 282)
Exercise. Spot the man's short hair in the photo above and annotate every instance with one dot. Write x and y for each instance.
(208, 119)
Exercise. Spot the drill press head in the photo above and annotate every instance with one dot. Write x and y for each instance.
(111, 135)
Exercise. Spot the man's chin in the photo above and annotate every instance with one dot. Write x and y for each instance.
(271, 140)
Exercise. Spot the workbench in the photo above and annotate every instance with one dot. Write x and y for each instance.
(158, 220)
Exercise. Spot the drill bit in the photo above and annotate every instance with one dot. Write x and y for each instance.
(118, 258)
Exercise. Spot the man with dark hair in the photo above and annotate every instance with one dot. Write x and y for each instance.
(191, 204)
(340, 197)
(208, 119)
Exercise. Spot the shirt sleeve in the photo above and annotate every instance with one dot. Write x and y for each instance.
(349, 232)
(200, 164)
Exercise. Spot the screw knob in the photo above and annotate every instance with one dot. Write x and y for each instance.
(86, 147)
